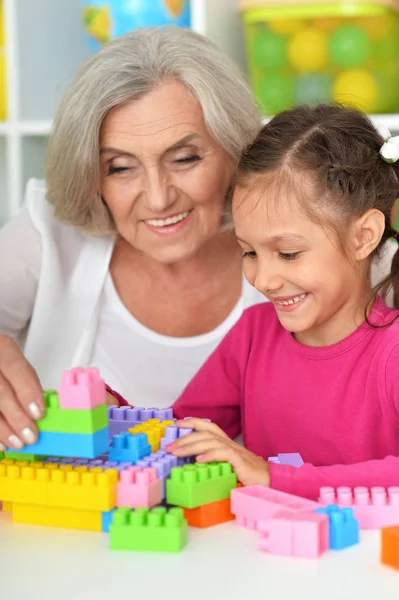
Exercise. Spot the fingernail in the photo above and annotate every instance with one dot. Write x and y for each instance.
(169, 446)
(2, 447)
(15, 442)
(200, 458)
(28, 436)
(34, 410)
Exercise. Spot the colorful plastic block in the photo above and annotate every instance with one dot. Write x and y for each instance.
(390, 547)
(292, 459)
(255, 503)
(62, 420)
(79, 488)
(15, 456)
(344, 528)
(158, 530)
(172, 433)
(81, 389)
(84, 445)
(6, 506)
(210, 514)
(106, 520)
(128, 447)
(304, 534)
(138, 487)
(154, 429)
(163, 463)
(124, 418)
(374, 508)
(57, 517)
(191, 486)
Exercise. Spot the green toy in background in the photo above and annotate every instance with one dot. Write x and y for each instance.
(107, 19)
(323, 51)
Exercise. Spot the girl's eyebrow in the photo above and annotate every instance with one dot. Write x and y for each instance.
(281, 237)
(179, 144)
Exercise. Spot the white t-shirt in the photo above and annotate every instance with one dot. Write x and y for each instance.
(147, 368)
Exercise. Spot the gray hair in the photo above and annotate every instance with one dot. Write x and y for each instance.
(126, 69)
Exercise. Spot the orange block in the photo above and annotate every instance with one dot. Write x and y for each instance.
(208, 515)
(390, 546)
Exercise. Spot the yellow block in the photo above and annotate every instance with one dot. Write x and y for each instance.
(63, 486)
(7, 506)
(57, 517)
(154, 429)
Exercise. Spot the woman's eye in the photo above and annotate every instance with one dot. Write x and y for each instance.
(249, 254)
(289, 255)
(187, 159)
(112, 170)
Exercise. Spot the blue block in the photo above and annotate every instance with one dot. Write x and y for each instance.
(79, 445)
(344, 528)
(128, 447)
(106, 519)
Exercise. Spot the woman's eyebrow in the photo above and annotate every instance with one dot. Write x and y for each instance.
(179, 144)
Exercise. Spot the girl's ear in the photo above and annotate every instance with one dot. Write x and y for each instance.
(367, 232)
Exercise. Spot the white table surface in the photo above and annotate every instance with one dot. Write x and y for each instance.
(223, 562)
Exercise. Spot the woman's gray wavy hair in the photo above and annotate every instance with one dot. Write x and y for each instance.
(126, 69)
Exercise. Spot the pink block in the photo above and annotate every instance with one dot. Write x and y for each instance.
(138, 487)
(303, 534)
(81, 389)
(374, 508)
(255, 503)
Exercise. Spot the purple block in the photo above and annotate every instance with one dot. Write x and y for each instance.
(172, 433)
(292, 459)
(121, 418)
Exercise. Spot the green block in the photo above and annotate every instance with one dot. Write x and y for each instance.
(22, 456)
(65, 420)
(2, 455)
(142, 530)
(191, 486)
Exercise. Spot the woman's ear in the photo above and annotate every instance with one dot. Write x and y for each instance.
(367, 233)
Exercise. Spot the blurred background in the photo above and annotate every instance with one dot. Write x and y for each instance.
(292, 51)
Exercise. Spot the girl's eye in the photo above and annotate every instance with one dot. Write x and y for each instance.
(112, 170)
(289, 255)
(187, 159)
(249, 254)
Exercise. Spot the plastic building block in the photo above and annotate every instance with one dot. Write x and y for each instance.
(292, 459)
(124, 418)
(344, 528)
(163, 463)
(255, 503)
(81, 389)
(25, 457)
(57, 517)
(106, 520)
(154, 429)
(128, 447)
(79, 488)
(158, 530)
(83, 445)
(172, 433)
(6, 506)
(210, 514)
(1, 455)
(390, 547)
(191, 486)
(62, 420)
(304, 534)
(374, 508)
(138, 487)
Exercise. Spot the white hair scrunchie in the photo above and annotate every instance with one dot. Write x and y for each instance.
(389, 151)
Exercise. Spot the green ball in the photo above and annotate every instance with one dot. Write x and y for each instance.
(276, 93)
(269, 50)
(350, 46)
(313, 89)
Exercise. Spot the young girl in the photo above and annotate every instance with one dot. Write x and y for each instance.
(315, 370)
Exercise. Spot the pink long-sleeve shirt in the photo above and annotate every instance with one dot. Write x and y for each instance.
(338, 406)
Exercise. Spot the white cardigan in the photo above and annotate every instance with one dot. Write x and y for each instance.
(51, 282)
(51, 277)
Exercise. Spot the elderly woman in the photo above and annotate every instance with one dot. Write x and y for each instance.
(122, 260)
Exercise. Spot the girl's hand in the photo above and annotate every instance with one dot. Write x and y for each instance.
(209, 443)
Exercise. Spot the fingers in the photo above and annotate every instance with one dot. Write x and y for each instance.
(17, 428)
(198, 443)
(202, 425)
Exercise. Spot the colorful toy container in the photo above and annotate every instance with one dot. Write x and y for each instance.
(312, 52)
(2, 67)
(106, 19)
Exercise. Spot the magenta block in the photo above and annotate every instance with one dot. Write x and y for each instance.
(81, 389)
(138, 487)
(374, 508)
(255, 503)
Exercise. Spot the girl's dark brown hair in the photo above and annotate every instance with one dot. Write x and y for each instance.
(339, 148)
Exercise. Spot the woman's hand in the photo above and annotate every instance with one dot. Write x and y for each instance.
(209, 443)
(21, 397)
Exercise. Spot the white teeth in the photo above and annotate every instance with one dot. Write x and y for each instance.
(169, 221)
(294, 300)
